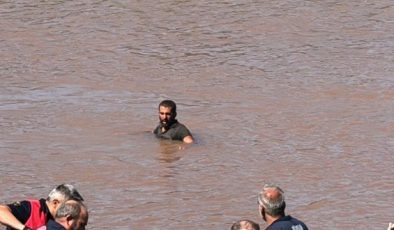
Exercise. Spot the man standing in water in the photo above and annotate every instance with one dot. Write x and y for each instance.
(272, 206)
(169, 127)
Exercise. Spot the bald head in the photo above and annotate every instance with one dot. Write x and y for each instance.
(245, 225)
(273, 200)
(273, 193)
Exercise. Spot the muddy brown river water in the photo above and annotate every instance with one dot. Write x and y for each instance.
(297, 93)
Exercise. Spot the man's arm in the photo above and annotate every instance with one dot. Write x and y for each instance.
(8, 219)
(188, 139)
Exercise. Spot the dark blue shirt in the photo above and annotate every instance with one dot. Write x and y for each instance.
(287, 223)
(176, 131)
(53, 225)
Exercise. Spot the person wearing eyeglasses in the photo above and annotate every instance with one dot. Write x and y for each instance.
(271, 201)
(169, 127)
(245, 225)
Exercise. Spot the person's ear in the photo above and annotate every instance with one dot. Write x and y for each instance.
(263, 213)
(69, 220)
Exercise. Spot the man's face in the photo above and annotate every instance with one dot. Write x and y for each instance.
(165, 115)
(54, 205)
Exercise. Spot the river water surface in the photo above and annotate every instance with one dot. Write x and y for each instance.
(298, 93)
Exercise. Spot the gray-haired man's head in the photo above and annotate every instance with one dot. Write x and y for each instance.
(72, 215)
(272, 199)
(64, 192)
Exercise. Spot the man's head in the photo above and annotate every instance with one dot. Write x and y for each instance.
(61, 194)
(271, 201)
(245, 225)
(167, 112)
(72, 215)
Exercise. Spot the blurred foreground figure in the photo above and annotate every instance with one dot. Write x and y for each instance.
(272, 206)
(71, 215)
(34, 214)
(245, 225)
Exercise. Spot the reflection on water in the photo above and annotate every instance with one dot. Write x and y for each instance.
(297, 93)
(170, 151)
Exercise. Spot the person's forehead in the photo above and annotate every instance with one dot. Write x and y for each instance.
(246, 226)
(164, 108)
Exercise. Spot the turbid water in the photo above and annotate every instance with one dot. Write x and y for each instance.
(297, 93)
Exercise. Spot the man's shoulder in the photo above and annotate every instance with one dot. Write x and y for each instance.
(20, 204)
(156, 130)
(295, 220)
(178, 125)
(53, 225)
(181, 128)
(287, 223)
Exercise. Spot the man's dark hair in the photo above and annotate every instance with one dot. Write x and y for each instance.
(245, 224)
(169, 104)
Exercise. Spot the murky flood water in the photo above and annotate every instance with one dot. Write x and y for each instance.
(297, 93)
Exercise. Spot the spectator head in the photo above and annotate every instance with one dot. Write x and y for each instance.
(72, 215)
(245, 225)
(272, 201)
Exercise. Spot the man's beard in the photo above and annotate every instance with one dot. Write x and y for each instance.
(167, 123)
